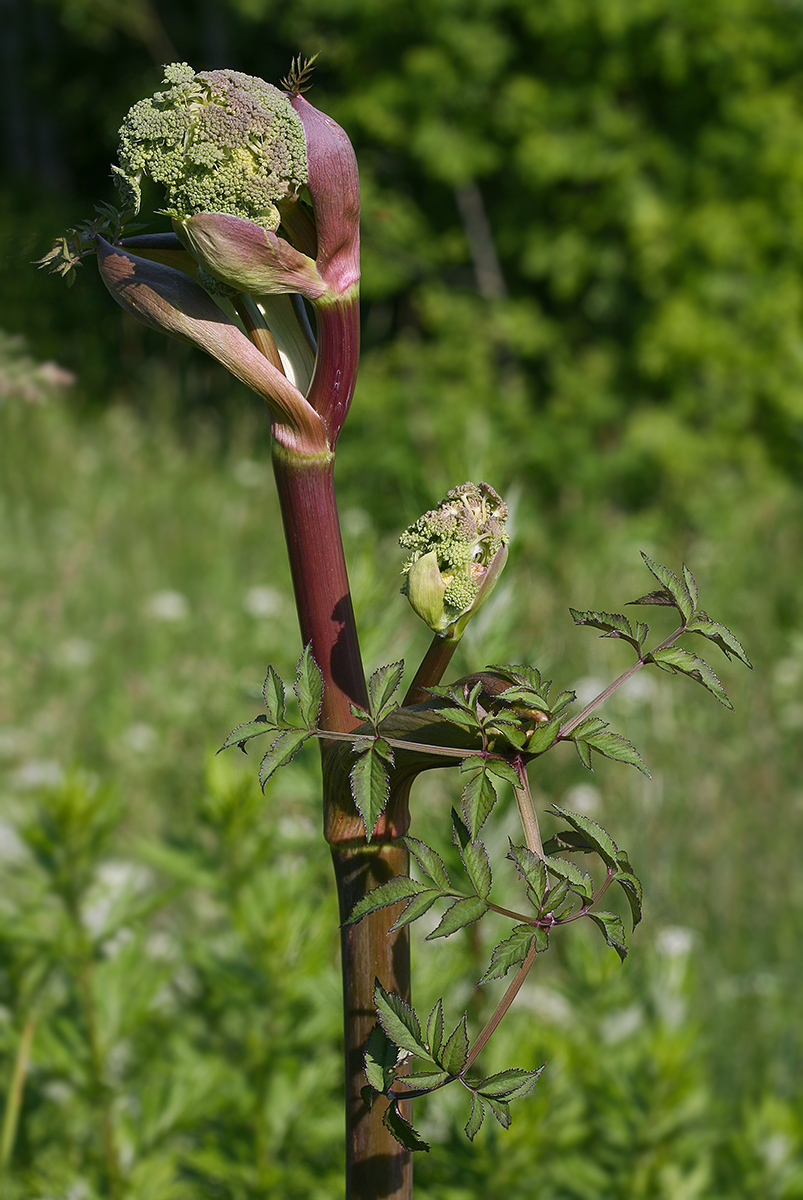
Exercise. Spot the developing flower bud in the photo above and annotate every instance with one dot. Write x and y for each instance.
(457, 553)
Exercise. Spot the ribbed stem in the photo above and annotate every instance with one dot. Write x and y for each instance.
(376, 1166)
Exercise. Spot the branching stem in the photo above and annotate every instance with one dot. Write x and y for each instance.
(568, 729)
(433, 665)
(501, 1008)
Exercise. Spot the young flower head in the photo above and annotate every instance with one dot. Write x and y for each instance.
(217, 142)
(263, 192)
(457, 552)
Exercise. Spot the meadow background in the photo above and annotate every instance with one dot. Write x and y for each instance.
(583, 282)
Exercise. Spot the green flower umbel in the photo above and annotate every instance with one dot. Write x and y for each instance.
(457, 551)
(217, 142)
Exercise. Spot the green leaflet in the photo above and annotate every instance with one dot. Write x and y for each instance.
(417, 907)
(435, 1030)
(430, 862)
(479, 794)
(631, 886)
(381, 687)
(281, 752)
(609, 745)
(502, 770)
(543, 735)
(614, 625)
(399, 1021)
(399, 888)
(612, 929)
(274, 697)
(532, 869)
(512, 952)
(474, 857)
(500, 1109)
(576, 879)
(677, 588)
(602, 842)
(426, 1079)
(370, 783)
(402, 1130)
(476, 1117)
(308, 688)
(683, 662)
(719, 634)
(462, 912)
(455, 1051)
(249, 729)
(512, 1084)
(381, 1058)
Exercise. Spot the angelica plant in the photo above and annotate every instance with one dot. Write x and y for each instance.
(262, 193)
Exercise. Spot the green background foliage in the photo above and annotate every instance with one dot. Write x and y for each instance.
(582, 264)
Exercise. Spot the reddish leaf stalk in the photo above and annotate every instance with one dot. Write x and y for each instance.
(332, 386)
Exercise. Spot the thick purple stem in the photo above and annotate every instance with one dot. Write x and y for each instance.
(320, 582)
(377, 1168)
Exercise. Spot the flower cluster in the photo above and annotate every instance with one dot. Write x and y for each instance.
(263, 194)
(457, 552)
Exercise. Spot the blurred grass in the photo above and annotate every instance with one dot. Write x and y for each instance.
(143, 590)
